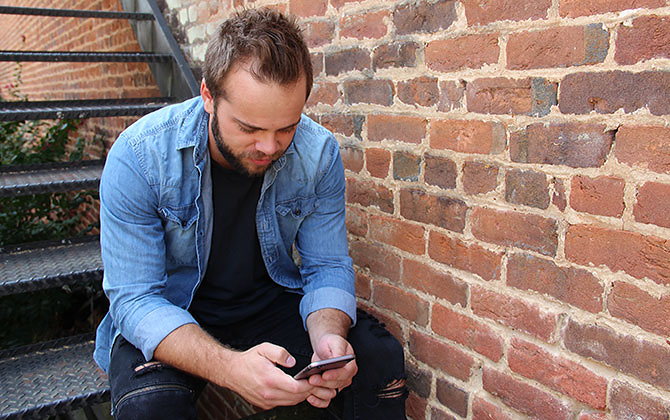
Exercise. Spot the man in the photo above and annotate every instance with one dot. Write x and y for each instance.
(202, 206)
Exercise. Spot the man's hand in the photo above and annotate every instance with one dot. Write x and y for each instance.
(253, 373)
(255, 377)
(327, 329)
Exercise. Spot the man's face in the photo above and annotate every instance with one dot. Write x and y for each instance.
(254, 124)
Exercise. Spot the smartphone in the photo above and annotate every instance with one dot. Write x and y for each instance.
(324, 365)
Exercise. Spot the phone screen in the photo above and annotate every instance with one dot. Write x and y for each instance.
(324, 365)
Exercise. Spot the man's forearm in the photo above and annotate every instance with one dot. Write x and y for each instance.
(191, 349)
(327, 321)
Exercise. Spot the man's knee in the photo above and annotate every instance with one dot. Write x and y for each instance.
(164, 401)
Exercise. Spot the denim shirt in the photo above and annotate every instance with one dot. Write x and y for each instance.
(156, 224)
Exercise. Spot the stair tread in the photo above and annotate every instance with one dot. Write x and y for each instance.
(83, 56)
(80, 108)
(69, 176)
(51, 265)
(50, 378)
(41, 11)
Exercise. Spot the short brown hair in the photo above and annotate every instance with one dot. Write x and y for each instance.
(271, 41)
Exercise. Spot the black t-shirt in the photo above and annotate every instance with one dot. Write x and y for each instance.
(236, 284)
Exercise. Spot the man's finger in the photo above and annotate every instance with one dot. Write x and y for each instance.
(276, 354)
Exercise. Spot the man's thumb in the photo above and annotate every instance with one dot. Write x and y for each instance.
(277, 355)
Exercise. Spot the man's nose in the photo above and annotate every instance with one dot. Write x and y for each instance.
(267, 143)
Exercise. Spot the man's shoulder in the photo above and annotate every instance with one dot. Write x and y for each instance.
(314, 139)
(162, 128)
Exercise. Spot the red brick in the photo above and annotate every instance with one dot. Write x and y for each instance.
(347, 124)
(437, 414)
(367, 193)
(640, 308)
(317, 63)
(418, 380)
(352, 158)
(416, 407)
(323, 93)
(529, 188)
(400, 234)
(466, 52)
(467, 331)
(377, 259)
(357, 221)
(378, 161)
(479, 177)
(440, 171)
(464, 256)
(629, 403)
(441, 356)
(563, 375)
(305, 8)
(407, 305)
(406, 166)
(339, 3)
(602, 195)
(396, 127)
(571, 144)
(480, 12)
(422, 91)
(467, 136)
(647, 38)
(453, 397)
(318, 33)
(441, 211)
(653, 204)
(565, 46)
(369, 91)
(347, 60)
(451, 95)
(500, 95)
(607, 92)
(575, 8)
(426, 279)
(363, 286)
(396, 54)
(365, 26)
(525, 398)
(637, 255)
(424, 16)
(629, 354)
(514, 313)
(527, 231)
(570, 285)
(484, 410)
(645, 147)
(592, 415)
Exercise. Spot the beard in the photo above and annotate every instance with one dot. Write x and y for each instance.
(236, 160)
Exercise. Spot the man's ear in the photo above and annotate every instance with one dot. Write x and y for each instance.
(207, 97)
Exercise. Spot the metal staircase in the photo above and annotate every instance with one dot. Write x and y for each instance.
(56, 377)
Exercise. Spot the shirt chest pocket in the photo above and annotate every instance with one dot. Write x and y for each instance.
(179, 224)
(296, 209)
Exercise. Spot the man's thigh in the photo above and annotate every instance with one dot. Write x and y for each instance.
(149, 390)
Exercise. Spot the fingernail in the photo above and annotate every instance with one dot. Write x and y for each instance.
(290, 360)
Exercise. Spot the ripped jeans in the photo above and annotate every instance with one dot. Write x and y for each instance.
(153, 390)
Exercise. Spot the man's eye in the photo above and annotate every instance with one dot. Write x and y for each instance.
(287, 130)
(246, 130)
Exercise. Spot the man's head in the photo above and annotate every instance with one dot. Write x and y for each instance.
(257, 77)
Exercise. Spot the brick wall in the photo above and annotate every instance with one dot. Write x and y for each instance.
(508, 170)
(508, 174)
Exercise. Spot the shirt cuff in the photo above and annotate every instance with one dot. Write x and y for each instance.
(328, 297)
(157, 324)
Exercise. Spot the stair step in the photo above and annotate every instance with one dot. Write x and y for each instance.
(49, 265)
(88, 56)
(36, 11)
(46, 178)
(50, 378)
(86, 108)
